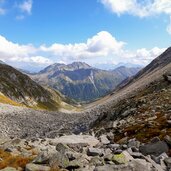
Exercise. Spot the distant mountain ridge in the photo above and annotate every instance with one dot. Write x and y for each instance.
(80, 81)
(110, 66)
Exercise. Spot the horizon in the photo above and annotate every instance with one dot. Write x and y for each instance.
(102, 33)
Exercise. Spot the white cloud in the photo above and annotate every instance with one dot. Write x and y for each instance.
(102, 44)
(14, 49)
(139, 8)
(143, 8)
(14, 52)
(102, 47)
(26, 6)
(142, 56)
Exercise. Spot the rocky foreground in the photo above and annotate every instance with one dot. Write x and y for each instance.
(84, 153)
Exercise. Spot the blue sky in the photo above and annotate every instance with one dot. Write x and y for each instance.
(40, 32)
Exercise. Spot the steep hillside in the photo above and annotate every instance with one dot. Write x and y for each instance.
(141, 108)
(17, 88)
(80, 81)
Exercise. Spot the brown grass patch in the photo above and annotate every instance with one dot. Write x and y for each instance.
(13, 161)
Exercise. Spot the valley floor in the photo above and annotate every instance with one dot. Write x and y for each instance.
(25, 122)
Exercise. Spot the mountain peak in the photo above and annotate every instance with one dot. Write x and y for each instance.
(79, 65)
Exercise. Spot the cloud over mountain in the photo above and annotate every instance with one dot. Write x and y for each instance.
(102, 46)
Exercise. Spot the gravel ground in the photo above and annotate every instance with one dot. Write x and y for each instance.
(23, 122)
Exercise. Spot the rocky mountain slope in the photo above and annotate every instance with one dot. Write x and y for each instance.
(142, 106)
(17, 88)
(82, 82)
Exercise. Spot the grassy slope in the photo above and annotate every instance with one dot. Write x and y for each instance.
(6, 100)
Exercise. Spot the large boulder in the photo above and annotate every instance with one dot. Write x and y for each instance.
(76, 139)
(154, 148)
(59, 159)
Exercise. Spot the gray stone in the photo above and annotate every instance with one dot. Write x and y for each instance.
(110, 136)
(42, 158)
(97, 161)
(167, 138)
(118, 151)
(154, 164)
(141, 165)
(127, 156)
(115, 124)
(133, 143)
(59, 159)
(154, 148)
(61, 148)
(159, 158)
(104, 140)
(136, 154)
(124, 146)
(155, 140)
(114, 146)
(168, 162)
(78, 147)
(76, 139)
(94, 152)
(36, 167)
(134, 149)
(108, 157)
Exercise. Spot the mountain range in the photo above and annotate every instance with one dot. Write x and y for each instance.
(110, 66)
(82, 82)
